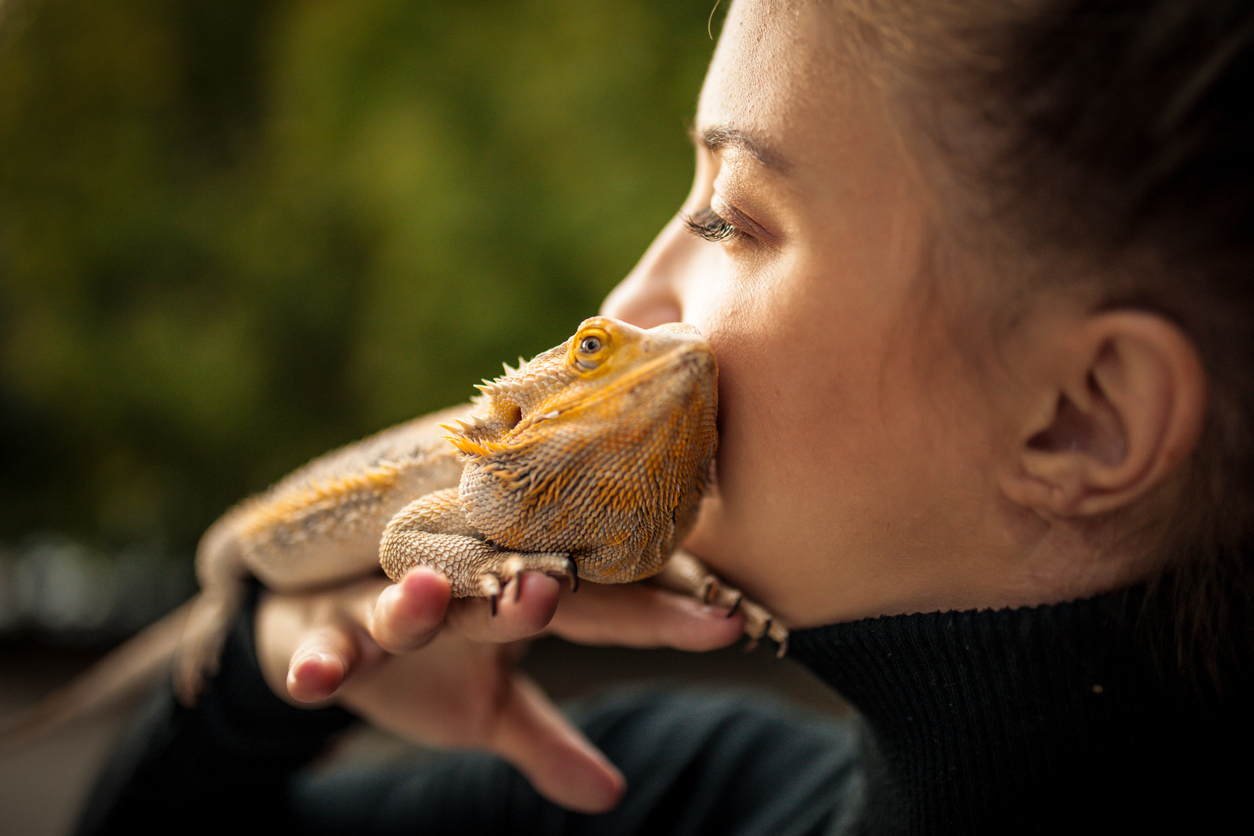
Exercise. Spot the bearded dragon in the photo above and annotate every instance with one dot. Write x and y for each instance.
(587, 462)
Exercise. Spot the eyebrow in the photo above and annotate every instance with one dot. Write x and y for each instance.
(720, 137)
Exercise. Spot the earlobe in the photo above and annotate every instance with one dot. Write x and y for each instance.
(1116, 414)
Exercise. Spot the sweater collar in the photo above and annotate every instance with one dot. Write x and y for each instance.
(977, 718)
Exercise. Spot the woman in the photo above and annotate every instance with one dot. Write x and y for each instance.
(977, 278)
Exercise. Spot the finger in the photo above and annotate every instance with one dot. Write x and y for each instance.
(643, 616)
(307, 644)
(408, 614)
(304, 651)
(320, 665)
(523, 609)
(554, 756)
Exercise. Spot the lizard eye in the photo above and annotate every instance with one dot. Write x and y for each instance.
(590, 349)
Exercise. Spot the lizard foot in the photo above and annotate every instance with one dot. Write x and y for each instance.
(475, 567)
(200, 648)
(684, 573)
(508, 567)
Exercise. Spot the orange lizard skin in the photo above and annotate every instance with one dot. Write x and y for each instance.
(588, 462)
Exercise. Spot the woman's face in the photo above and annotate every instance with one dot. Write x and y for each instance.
(855, 470)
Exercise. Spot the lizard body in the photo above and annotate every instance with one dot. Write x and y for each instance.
(589, 461)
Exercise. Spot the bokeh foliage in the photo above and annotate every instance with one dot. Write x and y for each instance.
(236, 233)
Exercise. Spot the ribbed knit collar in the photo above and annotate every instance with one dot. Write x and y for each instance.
(1040, 719)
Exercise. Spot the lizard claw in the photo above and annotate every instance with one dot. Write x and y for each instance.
(490, 588)
(508, 568)
(774, 631)
(684, 573)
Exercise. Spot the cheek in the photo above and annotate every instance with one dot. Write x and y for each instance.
(780, 401)
(795, 357)
(822, 407)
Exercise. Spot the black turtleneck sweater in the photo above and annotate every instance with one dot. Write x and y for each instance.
(1035, 720)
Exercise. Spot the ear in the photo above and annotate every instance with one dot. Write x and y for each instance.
(1118, 406)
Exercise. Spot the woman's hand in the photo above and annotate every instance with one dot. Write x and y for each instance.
(440, 671)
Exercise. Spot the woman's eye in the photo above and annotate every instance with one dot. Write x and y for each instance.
(711, 226)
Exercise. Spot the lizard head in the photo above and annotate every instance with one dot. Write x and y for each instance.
(607, 368)
(606, 437)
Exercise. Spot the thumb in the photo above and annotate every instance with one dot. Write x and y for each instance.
(554, 756)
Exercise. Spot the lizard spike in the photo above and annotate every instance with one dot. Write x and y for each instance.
(508, 370)
(470, 447)
(461, 429)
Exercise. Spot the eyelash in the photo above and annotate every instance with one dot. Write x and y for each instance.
(711, 226)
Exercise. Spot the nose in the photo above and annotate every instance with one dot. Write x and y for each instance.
(652, 293)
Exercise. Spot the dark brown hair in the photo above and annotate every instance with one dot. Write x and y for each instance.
(1111, 143)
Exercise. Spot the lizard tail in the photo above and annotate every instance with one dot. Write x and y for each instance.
(122, 674)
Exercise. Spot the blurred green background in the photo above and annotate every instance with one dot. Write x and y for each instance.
(234, 234)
